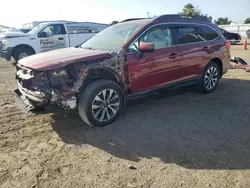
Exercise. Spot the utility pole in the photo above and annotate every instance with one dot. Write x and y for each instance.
(148, 14)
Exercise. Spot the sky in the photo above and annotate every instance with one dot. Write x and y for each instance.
(14, 13)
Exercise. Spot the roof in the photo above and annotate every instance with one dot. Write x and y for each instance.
(66, 21)
(50, 21)
(168, 18)
(137, 21)
(94, 23)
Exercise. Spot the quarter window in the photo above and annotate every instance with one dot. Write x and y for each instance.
(208, 32)
(186, 35)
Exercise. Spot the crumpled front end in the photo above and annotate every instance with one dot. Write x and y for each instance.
(63, 85)
(36, 89)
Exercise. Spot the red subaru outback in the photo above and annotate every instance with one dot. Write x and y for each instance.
(129, 58)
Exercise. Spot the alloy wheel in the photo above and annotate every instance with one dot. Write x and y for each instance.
(211, 77)
(105, 105)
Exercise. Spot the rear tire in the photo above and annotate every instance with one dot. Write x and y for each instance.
(100, 103)
(21, 53)
(210, 78)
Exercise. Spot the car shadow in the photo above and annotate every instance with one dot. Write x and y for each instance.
(193, 130)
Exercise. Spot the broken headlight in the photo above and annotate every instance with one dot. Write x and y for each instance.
(58, 77)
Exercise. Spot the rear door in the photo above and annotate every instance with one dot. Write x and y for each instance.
(189, 40)
(153, 69)
(214, 43)
(52, 37)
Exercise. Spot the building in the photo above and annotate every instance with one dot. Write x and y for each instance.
(35, 23)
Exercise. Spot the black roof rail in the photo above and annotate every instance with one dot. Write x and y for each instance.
(132, 19)
(178, 17)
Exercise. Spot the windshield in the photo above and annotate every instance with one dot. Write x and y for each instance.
(113, 37)
(35, 29)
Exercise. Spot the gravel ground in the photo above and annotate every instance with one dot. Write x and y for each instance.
(179, 139)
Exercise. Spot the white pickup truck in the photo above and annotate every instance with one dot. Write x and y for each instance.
(44, 37)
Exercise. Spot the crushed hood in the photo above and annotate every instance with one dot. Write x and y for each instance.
(13, 32)
(59, 58)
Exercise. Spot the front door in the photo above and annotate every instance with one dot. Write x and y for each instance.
(52, 37)
(150, 70)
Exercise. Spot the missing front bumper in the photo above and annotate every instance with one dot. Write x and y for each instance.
(26, 106)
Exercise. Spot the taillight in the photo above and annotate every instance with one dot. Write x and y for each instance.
(228, 44)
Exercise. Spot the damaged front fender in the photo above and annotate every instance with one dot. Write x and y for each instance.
(65, 90)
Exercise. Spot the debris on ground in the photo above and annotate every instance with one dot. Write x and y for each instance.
(239, 63)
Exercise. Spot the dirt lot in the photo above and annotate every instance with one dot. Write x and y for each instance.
(183, 140)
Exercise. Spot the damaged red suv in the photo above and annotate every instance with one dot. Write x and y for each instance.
(130, 58)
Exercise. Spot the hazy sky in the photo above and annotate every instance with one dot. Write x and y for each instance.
(17, 12)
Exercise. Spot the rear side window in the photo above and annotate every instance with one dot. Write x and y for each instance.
(187, 35)
(208, 32)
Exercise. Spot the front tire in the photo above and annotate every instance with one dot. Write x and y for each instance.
(21, 53)
(210, 78)
(100, 103)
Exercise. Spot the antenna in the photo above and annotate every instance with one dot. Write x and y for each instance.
(148, 14)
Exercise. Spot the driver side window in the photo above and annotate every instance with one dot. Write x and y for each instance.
(51, 30)
(160, 36)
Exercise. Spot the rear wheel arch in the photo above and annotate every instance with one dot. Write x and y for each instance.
(219, 63)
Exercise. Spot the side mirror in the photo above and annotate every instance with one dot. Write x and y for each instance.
(42, 35)
(147, 47)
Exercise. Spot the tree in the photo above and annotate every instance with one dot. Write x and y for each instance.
(190, 10)
(114, 22)
(223, 21)
(247, 21)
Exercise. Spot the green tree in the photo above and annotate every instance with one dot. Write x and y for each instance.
(114, 22)
(223, 21)
(190, 10)
(247, 21)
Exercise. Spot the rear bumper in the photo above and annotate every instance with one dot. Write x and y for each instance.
(6, 54)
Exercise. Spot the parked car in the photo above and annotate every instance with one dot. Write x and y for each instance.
(127, 59)
(248, 33)
(44, 37)
(234, 38)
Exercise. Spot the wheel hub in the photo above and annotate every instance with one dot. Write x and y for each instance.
(211, 77)
(105, 105)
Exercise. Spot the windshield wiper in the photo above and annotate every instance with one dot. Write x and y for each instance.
(89, 48)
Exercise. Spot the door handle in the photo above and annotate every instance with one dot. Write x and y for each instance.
(60, 38)
(172, 56)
